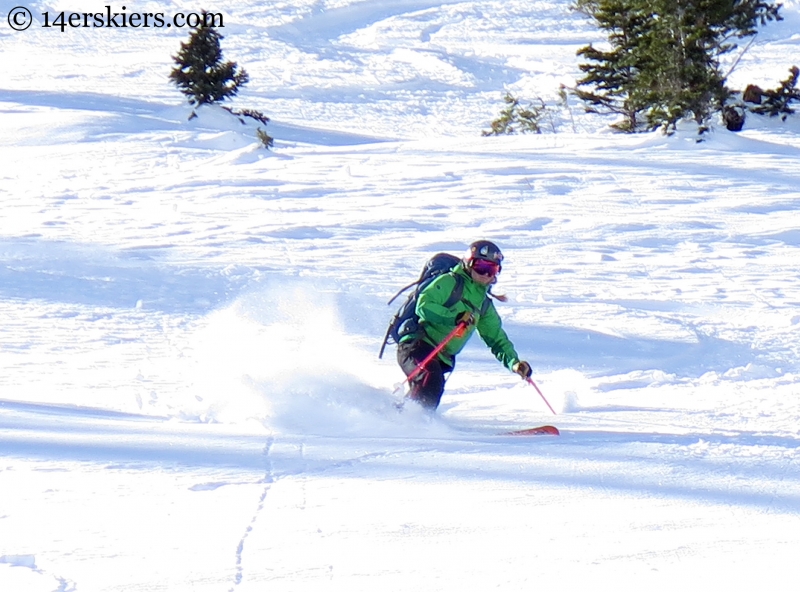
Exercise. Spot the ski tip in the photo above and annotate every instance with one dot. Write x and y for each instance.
(546, 430)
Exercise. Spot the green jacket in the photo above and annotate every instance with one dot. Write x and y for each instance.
(436, 321)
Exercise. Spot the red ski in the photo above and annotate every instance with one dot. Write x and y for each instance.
(538, 431)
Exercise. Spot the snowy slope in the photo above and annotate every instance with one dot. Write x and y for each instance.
(190, 395)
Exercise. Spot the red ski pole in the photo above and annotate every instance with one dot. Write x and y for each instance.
(533, 384)
(457, 332)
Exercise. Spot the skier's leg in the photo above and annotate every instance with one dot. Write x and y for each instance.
(427, 387)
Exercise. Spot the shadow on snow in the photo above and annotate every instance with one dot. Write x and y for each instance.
(582, 459)
(34, 269)
(599, 354)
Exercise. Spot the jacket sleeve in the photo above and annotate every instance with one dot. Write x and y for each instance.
(490, 328)
(430, 304)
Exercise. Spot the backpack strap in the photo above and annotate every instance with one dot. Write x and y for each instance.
(485, 306)
(403, 290)
(457, 293)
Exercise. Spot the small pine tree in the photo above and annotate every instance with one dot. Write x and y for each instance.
(515, 118)
(266, 140)
(201, 74)
(777, 102)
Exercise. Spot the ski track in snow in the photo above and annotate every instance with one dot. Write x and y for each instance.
(191, 323)
(268, 480)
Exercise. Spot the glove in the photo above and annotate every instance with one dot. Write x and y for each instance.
(523, 369)
(466, 317)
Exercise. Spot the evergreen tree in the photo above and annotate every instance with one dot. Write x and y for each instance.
(515, 118)
(613, 74)
(201, 74)
(664, 62)
(778, 101)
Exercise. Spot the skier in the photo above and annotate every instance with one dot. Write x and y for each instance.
(478, 271)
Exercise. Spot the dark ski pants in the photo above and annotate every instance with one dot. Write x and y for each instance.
(427, 386)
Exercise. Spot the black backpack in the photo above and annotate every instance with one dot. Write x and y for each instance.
(406, 321)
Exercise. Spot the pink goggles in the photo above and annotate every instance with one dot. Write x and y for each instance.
(483, 267)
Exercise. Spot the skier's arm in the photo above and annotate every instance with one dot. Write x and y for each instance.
(490, 328)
